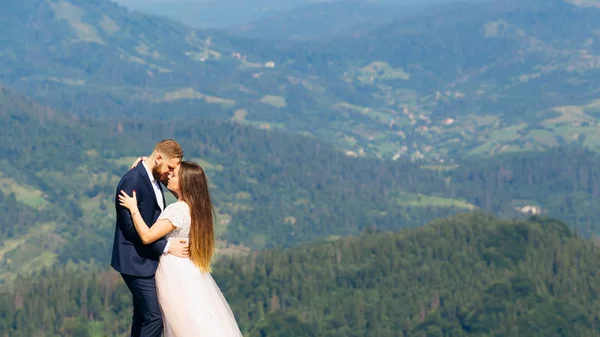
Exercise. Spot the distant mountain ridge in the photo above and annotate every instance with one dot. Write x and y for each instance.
(459, 80)
(327, 19)
(226, 14)
(510, 76)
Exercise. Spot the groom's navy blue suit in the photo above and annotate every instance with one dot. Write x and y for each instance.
(135, 261)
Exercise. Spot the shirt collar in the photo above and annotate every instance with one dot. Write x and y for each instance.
(150, 176)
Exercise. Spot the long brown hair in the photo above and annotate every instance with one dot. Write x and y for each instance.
(194, 191)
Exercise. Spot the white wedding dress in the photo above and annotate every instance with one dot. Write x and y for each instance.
(192, 304)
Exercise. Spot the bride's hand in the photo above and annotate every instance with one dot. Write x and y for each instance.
(136, 162)
(128, 202)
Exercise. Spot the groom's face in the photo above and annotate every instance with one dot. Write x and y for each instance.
(164, 167)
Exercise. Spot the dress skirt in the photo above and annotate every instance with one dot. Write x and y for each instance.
(192, 304)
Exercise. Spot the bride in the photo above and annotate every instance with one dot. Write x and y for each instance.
(190, 300)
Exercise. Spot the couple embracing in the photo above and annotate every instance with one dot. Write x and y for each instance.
(163, 252)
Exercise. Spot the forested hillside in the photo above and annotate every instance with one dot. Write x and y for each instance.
(271, 189)
(470, 275)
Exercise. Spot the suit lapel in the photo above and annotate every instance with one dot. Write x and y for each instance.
(147, 183)
(163, 195)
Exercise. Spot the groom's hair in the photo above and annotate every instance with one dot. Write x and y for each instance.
(169, 148)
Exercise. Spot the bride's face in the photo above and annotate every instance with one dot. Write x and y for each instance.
(173, 184)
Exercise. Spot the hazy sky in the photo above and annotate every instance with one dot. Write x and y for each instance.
(228, 13)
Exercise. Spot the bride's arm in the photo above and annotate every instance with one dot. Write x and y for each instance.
(147, 234)
(151, 234)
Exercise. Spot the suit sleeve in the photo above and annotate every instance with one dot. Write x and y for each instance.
(125, 222)
(159, 245)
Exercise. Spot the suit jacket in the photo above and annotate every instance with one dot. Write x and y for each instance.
(130, 256)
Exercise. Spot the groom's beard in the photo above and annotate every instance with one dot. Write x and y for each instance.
(156, 172)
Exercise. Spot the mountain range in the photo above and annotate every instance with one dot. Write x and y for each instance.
(458, 80)
(342, 158)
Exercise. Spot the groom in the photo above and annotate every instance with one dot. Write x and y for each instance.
(135, 261)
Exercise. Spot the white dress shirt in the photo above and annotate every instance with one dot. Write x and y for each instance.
(159, 195)
(156, 187)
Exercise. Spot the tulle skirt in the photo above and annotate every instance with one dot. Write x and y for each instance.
(192, 304)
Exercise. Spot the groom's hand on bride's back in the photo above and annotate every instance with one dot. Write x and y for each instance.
(179, 248)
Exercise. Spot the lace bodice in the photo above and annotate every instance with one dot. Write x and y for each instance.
(179, 215)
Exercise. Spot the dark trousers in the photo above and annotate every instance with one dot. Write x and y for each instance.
(147, 320)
